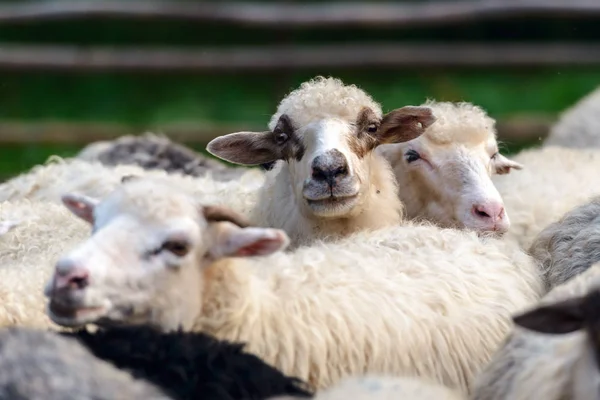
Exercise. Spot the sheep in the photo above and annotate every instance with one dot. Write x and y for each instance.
(579, 125)
(555, 180)
(39, 365)
(570, 245)
(403, 300)
(384, 388)
(330, 182)
(444, 175)
(534, 364)
(151, 151)
(49, 181)
(188, 365)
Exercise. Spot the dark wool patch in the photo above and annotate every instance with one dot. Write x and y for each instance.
(190, 365)
(160, 153)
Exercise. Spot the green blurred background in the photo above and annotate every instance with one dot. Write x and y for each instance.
(151, 101)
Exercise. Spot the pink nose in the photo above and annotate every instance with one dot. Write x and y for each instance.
(70, 276)
(489, 212)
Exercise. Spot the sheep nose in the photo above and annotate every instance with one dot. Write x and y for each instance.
(330, 166)
(69, 275)
(491, 212)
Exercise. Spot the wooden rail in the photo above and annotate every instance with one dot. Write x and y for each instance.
(298, 15)
(515, 129)
(292, 57)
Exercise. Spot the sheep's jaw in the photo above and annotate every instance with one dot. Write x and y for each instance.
(73, 316)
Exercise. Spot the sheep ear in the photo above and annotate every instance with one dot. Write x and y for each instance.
(246, 148)
(559, 318)
(404, 124)
(230, 240)
(503, 165)
(80, 205)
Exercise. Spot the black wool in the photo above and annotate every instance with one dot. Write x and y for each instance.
(190, 365)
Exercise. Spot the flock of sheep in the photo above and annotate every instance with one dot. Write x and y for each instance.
(373, 256)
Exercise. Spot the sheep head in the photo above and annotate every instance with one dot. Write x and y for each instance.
(325, 132)
(445, 174)
(145, 258)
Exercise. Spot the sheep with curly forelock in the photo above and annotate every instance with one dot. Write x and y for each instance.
(569, 246)
(554, 181)
(329, 182)
(444, 175)
(403, 300)
(553, 351)
(579, 125)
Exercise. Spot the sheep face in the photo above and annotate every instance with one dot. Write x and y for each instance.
(143, 262)
(445, 174)
(326, 157)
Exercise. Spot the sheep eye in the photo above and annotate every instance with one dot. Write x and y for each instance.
(372, 128)
(281, 137)
(411, 156)
(177, 247)
(494, 155)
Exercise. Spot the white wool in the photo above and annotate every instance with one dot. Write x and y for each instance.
(579, 125)
(50, 181)
(412, 300)
(384, 388)
(27, 256)
(533, 365)
(324, 97)
(554, 181)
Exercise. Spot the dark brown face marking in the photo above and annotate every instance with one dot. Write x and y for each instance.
(284, 135)
(366, 127)
(220, 214)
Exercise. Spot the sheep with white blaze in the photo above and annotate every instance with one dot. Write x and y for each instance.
(329, 181)
(444, 175)
(554, 351)
(403, 300)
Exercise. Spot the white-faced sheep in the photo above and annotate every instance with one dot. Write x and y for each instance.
(555, 180)
(553, 352)
(407, 300)
(330, 181)
(38, 365)
(579, 125)
(151, 151)
(570, 246)
(444, 175)
(384, 388)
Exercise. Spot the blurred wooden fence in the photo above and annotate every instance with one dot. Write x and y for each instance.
(281, 17)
